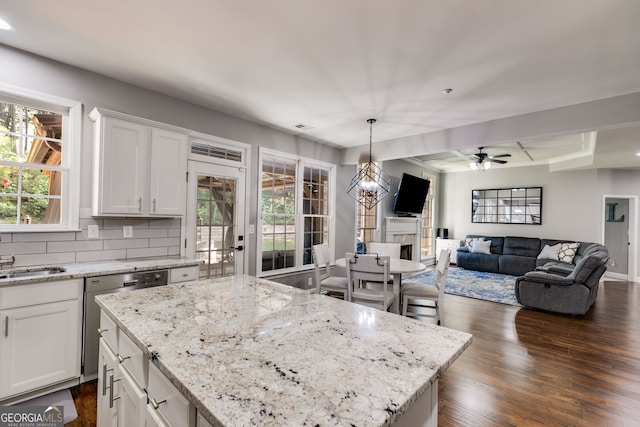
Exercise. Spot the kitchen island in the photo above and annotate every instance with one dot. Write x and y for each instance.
(248, 351)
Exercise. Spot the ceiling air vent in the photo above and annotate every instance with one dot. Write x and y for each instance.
(302, 126)
(208, 150)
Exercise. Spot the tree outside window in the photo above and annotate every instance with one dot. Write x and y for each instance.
(31, 176)
(295, 210)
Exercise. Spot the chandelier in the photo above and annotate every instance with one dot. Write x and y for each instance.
(370, 184)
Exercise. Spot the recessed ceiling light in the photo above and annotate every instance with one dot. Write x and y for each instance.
(447, 90)
(4, 25)
(638, 153)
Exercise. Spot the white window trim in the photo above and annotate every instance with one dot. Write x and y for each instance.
(219, 142)
(433, 197)
(301, 162)
(70, 208)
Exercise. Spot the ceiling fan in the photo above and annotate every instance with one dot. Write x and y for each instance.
(482, 161)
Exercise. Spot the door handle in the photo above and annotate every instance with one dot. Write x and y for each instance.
(104, 378)
(111, 398)
(239, 248)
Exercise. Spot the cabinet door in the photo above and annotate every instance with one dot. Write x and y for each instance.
(133, 402)
(154, 419)
(107, 371)
(123, 150)
(167, 180)
(39, 346)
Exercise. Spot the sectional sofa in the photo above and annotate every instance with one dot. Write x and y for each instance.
(555, 275)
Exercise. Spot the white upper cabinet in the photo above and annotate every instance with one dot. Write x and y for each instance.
(167, 185)
(139, 167)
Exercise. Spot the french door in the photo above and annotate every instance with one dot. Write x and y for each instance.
(215, 218)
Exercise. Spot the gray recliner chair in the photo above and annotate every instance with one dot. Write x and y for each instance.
(573, 294)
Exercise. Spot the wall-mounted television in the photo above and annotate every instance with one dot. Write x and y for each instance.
(411, 195)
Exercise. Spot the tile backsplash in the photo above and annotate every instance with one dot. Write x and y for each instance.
(151, 238)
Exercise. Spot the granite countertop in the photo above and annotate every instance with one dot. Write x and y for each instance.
(92, 269)
(249, 351)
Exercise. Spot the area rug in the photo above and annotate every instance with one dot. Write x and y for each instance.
(474, 284)
(53, 401)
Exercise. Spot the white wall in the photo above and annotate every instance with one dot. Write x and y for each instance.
(572, 201)
(39, 74)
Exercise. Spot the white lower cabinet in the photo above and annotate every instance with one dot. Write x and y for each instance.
(41, 335)
(108, 386)
(201, 422)
(133, 401)
(164, 399)
(122, 379)
(451, 244)
(183, 274)
(134, 392)
(154, 418)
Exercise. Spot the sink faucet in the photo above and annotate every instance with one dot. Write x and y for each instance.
(7, 260)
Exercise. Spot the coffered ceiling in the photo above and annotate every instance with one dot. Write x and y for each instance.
(321, 68)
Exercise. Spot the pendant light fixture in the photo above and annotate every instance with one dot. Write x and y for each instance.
(370, 184)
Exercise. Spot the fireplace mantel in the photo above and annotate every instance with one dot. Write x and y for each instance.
(406, 231)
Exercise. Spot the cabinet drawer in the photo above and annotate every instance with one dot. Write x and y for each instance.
(109, 331)
(183, 274)
(164, 397)
(40, 293)
(132, 359)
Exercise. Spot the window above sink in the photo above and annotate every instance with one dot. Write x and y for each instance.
(39, 161)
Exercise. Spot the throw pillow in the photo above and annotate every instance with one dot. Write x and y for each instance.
(469, 241)
(550, 252)
(568, 252)
(481, 247)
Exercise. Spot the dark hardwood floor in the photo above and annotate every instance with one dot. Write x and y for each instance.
(533, 368)
(528, 368)
(85, 399)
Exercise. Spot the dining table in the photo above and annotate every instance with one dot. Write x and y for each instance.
(397, 267)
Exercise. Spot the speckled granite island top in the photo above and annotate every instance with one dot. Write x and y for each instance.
(248, 351)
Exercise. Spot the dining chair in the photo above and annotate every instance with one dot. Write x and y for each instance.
(325, 281)
(367, 268)
(425, 299)
(392, 250)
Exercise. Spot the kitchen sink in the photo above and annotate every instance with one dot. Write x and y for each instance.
(31, 273)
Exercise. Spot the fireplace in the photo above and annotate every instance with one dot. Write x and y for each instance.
(405, 251)
(405, 231)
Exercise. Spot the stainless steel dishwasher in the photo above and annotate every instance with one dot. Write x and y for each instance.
(105, 285)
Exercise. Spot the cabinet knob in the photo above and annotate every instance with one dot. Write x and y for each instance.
(156, 404)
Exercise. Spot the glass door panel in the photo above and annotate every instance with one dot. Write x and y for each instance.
(216, 223)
